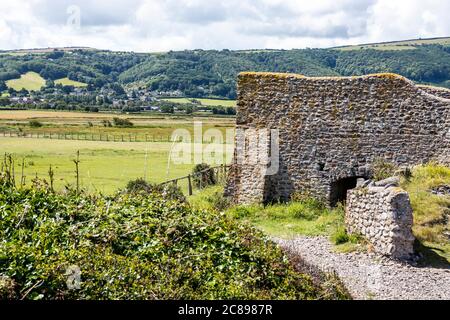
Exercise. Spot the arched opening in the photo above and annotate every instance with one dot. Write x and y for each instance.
(338, 192)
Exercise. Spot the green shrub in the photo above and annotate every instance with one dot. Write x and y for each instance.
(218, 201)
(243, 211)
(139, 185)
(203, 176)
(106, 123)
(340, 236)
(35, 124)
(122, 123)
(135, 246)
(168, 191)
(171, 192)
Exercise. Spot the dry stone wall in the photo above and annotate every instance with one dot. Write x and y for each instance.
(382, 213)
(331, 130)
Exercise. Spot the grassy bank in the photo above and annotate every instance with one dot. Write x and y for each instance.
(431, 212)
(307, 218)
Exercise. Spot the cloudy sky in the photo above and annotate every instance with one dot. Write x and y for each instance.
(161, 25)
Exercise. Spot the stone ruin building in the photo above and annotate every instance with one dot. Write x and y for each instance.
(331, 131)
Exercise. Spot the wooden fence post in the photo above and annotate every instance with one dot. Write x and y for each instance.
(189, 185)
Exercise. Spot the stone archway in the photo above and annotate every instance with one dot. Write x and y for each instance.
(339, 188)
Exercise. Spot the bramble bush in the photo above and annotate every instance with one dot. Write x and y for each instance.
(203, 176)
(135, 245)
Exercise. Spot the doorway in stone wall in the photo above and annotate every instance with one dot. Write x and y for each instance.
(339, 188)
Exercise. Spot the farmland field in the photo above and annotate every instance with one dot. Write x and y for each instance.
(29, 81)
(205, 102)
(397, 45)
(67, 82)
(105, 165)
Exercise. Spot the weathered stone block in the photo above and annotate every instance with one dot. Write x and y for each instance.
(386, 222)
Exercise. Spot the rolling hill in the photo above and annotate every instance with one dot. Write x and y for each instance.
(212, 73)
(398, 45)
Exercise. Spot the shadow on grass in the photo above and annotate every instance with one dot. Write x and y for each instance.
(430, 256)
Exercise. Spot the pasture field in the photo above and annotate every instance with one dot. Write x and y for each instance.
(29, 81)
(380, 47)
(397, 45)
(67, 82)
(205, 102)
(60, 122)
(105, 165)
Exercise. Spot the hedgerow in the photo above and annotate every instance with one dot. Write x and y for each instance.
(134, 246)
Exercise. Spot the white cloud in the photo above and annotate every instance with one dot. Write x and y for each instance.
(160, 25)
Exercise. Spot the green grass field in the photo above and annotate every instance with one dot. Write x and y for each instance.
(397, 45)
(62, 122)
(105, 166)
(29, 81)
(67, 82)
(205, 102)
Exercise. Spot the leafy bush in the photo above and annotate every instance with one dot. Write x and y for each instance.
(122, 123)
(35, 124)
(218, 201)
(106, 123)
(203, 176)
(135, 246)
(138, 185)
(168, 191)
(243, 211)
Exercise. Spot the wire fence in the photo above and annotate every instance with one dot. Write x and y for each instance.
(96, 137)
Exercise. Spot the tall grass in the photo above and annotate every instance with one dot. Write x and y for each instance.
(431, 212)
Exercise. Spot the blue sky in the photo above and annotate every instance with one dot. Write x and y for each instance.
(161, 25)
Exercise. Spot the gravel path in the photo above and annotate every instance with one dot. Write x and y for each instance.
(368, 276)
